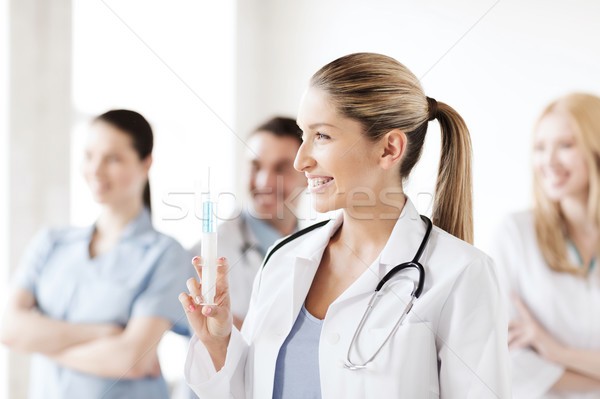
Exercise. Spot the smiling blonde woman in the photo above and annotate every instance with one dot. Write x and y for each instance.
(547, 258)
(364, 118)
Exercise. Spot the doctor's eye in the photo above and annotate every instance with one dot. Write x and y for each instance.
(113, 158)
(566, 144)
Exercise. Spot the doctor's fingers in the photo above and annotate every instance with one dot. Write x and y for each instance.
(222, 276)
(518, 341)
(197, 262)
(519, 335)
(222, 269)
(187, 302)
(195, 290)
(193, 313)
(222, 288)
(222, 298)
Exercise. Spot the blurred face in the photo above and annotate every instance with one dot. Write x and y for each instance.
(274, 183)
(558, 160)
(336, 157)
(111, 167)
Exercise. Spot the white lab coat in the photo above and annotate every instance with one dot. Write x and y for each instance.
(237, 243)
(452, 344)
(564, 304)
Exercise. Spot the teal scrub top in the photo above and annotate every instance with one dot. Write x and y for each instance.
(141, 276)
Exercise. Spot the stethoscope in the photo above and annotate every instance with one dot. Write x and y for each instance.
(416, 292)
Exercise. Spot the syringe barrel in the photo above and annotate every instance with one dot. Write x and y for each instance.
(209, 267)
(209, 217)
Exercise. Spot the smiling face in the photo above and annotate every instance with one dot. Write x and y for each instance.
(273, 180)
(336, 157)
(111, 167)
(558, 161)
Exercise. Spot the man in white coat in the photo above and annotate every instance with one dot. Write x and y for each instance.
(275, 188)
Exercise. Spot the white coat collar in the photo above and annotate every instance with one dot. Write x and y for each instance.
(402, 245)
(404, 241)
(306, 259)
(312, 249)
(406, 237)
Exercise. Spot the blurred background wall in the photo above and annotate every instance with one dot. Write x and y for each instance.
(205, 73)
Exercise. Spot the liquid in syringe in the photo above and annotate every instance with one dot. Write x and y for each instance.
(209, 251)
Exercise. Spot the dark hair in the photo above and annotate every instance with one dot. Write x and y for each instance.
(281, 127)
(140, 131)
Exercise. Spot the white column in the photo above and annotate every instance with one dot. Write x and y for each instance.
(39, 126)
(249, 80)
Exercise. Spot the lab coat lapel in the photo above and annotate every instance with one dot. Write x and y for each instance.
(308, 257)
(401, 247)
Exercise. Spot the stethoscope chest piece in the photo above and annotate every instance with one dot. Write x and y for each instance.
(416, 292)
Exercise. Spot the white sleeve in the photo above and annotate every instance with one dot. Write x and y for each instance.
(532, 375)
(471, 337)
(205, 381)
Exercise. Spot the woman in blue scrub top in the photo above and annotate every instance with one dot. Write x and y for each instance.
(92, 303)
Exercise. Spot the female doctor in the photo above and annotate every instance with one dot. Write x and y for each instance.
(364, 119)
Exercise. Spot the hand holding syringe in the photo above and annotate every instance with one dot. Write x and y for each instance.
(213, 324)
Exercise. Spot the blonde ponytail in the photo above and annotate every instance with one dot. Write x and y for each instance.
(453, 200)
(382, 94)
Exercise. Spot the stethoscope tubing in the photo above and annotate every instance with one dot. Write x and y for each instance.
(416, 292)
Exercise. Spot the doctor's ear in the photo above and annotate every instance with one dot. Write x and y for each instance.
(393, 145)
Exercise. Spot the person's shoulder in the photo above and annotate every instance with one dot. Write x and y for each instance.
(515, 226)
(449, 247)
(453, 259)
(64, 234)
(168, 242)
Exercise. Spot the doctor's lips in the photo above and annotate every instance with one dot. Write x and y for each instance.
(267, 193)
(554, 178)
(98, 187)
(316, 182)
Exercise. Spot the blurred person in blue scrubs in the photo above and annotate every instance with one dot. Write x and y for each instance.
(91, 304)
(275, 188)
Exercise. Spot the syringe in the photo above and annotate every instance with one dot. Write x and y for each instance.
(209, 250)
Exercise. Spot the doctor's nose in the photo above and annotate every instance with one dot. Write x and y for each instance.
(551, 157)
(93, 167)
(304, 160)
